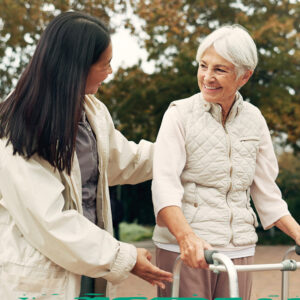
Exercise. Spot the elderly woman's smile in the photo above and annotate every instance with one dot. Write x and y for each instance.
(217, 79)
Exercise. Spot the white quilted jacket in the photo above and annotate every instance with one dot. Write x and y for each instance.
(219, 170)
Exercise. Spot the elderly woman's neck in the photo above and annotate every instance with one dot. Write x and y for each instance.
(226, 107)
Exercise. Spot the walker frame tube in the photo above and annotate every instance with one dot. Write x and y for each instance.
(228, 266)
(217, 258)
(285, 274)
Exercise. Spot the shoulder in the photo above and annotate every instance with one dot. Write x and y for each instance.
(254, 115)
(184, 107)
(95, 104)
(186, 103)
(6, 151)
(17, 166)
(97, 111)
(250, 108)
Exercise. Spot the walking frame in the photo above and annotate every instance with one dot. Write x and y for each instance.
(219, 262)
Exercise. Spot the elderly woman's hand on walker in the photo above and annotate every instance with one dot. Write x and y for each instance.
(191, 246)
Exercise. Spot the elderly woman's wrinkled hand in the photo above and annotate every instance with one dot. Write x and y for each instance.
(192, 250)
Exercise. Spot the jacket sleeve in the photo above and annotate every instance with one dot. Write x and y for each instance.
(265, 193)
(129, 163)
(33, 196)
(169, 161)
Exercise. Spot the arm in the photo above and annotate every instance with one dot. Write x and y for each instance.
(191, 246)
(289, 226)
(124, 161)
(33, 196)
(265, 193)
(167, 190)
(129, 163)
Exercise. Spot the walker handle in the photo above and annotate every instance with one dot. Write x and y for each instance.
(297, 249)
(208, 256)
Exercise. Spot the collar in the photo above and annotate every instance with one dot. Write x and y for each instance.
(216, 109)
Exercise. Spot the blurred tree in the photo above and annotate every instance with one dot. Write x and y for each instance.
(289, 181)
(173, 33)
(22, 22)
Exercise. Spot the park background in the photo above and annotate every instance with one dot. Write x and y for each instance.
(164, 69)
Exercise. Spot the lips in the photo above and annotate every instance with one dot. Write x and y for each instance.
(211, 87)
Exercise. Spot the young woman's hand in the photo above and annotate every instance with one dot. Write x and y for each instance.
(147, 271)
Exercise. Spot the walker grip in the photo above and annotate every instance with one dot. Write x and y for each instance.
(208, 256)
(297, 249)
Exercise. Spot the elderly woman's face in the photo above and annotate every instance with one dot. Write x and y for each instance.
(217, 79)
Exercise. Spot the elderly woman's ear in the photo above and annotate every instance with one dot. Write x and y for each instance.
(244, 78)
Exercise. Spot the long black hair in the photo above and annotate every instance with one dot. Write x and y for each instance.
(41, 115)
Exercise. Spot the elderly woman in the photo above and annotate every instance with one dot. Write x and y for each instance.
(213, 152)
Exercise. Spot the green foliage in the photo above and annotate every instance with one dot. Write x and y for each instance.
(273, 237)
(138, 100)
(289, 182)
(173, 32)
(23, 21)
(137, 203)
(134, 232)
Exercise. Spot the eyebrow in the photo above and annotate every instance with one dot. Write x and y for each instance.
(217, 66)
(222, 66)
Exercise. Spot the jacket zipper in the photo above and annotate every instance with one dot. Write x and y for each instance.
(230, 176)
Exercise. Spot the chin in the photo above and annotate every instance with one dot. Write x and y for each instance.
(210, 99)
(91, 92)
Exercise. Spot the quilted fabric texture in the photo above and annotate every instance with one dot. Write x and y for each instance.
(219, 170)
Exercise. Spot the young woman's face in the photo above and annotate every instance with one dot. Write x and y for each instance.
(217, 79)
(99, 71)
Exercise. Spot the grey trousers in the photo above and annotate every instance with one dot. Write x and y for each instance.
(203, 283)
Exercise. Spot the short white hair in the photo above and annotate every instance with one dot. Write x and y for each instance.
(233, 43)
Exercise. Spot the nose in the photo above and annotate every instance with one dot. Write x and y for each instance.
(209, 75)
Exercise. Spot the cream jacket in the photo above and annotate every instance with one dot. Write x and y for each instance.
(46, 244)
(217, 166)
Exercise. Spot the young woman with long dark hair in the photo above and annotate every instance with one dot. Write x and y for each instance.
(59, 152)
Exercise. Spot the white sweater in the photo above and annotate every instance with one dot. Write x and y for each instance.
(170, 160)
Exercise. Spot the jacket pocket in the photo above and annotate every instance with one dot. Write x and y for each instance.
(249, 138)
(250, 209)
(32, 282)
(250, 144)
(189, 204)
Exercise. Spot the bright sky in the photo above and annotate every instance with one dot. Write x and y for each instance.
(127, 52)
